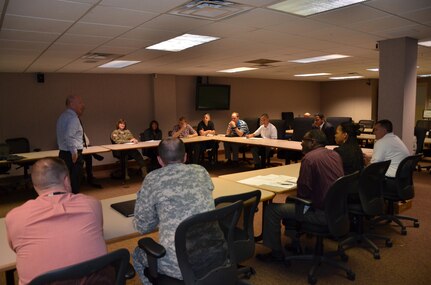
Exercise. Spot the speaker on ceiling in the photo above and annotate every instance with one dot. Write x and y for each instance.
(40, 77)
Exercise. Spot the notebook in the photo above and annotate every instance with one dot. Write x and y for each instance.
(126, 208)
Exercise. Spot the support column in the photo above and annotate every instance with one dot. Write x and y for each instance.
(397, 86)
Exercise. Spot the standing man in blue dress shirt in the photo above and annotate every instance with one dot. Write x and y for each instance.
(70, 139)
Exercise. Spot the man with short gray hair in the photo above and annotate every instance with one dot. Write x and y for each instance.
(168, 196)
(58, 228)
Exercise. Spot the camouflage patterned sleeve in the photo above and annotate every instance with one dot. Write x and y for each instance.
(145, 219)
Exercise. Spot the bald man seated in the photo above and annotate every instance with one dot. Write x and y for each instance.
(58, 228)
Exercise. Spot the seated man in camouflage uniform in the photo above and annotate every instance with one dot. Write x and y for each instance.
(167, 197)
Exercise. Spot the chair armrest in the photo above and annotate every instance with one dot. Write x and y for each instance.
(151, 247)
(299, 200)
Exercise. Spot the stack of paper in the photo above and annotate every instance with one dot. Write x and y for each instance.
(279, 181)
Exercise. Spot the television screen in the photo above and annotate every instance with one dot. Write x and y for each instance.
(212, 97)
(427, 114)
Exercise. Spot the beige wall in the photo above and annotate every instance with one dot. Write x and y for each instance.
(30, 109)
(351, 98)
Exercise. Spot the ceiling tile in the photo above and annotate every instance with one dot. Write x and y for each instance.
(35, 24)
(27, 35)
(90, 29)
(48, 9)
(174, 23)
(117, 16)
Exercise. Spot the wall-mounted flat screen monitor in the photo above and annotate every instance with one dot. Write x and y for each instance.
(212, 97)
(427, 114)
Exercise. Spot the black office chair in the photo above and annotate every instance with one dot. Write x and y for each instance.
(368, 124)
(107, 269)
(203, 258)
(371, 204)
(244, 244)
(425, 162)
(335, 121)
(338, 223)
(400, 189)
(20, 145)
(4, 153)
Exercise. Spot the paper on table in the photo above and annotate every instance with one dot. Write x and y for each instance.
(280, 181)
(255, 138)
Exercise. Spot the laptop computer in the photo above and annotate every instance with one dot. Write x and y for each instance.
(126, 208)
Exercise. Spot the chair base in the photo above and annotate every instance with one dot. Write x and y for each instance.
(246, 271)
(364, 240)
(317, 261)
(397, 220)
(318, 258)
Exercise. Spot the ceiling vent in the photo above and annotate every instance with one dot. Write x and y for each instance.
(210, 9)
(92, 57)
(263, 62)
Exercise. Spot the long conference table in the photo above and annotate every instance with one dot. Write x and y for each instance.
(118, 227)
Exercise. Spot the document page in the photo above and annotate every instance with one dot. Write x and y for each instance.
(279, 181)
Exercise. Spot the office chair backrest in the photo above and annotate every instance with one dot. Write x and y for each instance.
(288, 117)
(244, 244)
(371, 187)
(252, 123)
(281, 126)
(107, 269)
(336, 209)
(300, 127)
(4, 152)
(335, 121)
(18, 145)
(404, 176)
(424, 124)
(204, 255)
(420, 134)
(366, 123)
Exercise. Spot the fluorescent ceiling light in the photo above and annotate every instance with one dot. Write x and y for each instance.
(310, 7)
(425, 43)
(375, 69)
(313, 74)
(424, 75)
(319, 58)
(238, 69)
(118, 63)
(346, 77)
(182, 42)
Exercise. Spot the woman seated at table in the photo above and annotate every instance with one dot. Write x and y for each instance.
(153, 133)
(349, 149)
(123, 135)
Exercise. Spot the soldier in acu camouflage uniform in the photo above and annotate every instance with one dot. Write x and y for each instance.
(168, 196)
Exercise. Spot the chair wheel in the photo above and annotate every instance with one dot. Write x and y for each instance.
(351, 275)
(312, 280)
(376, 255)
(404, 232)
(416, 224)
(388, 243)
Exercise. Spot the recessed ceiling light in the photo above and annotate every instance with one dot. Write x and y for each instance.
(310, 7)
(424, 75)
(237, 69)
(375, 69)
(118, 63)
(425, 43)
(182, 42)
(319, 58)
(346, 77)
(313, 74)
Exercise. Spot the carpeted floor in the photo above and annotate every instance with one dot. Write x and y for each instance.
(407, 262)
